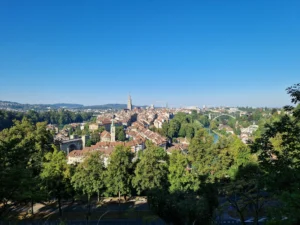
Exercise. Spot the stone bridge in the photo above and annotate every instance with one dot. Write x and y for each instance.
(215, 116)
(70, 145)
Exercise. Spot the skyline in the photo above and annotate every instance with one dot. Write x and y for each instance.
(181, 53)
(160, 104)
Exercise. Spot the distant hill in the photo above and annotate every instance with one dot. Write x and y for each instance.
(107, 106)
(111, 106)
(67, 105)
(19, 106)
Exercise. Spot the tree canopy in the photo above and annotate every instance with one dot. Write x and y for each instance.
(151, 170)
(119, 172)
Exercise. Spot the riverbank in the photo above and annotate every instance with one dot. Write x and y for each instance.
(215, 134)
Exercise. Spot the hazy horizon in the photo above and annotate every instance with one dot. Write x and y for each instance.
(160, 105)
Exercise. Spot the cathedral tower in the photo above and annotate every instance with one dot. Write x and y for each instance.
(129, 103)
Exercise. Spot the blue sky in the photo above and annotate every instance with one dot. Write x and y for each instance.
(211, 52)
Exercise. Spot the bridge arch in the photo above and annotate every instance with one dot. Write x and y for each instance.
(72, 147)
(224, 115)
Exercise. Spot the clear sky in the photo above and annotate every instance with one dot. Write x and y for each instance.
(212, 52)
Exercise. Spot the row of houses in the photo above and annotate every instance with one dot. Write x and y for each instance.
(106, 148)
(138, 130)
(247, 132)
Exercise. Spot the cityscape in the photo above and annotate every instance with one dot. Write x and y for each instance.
(149, 112)
(87, 140)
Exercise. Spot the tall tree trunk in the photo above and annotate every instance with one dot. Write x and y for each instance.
(59, 206)
(119, 200)
(89, 204)
(98, 196)
(256, 217)
(241, 217)
(89, 211)
(32, 206)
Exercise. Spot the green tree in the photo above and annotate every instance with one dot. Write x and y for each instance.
(190, 131)
(88, 143)
(278, 150)
(194, 115)
(89, 176)
(246, 192)
(22, 148)
(184, 208)
(151, 170)
(180, 175)
(182, 130)
(165, 128)
(213, 125)
(56, 176)
(121, 136)
(174, 127)
(119, 172)
(95, 137)
(182, 118)
(200, 145)
(204, 120)
(101, 129)
(33, 116)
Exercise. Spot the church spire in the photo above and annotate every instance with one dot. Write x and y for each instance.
(112, 131)
(129, 103)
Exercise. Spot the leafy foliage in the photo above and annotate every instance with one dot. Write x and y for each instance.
(120, 133)
(89, 175)
(151, 170)
(278, 150)
(200, 146)
(120, 172)
(56, 176)
(22, 148)
(180, 176)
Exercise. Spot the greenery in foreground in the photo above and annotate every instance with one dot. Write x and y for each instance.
(182, 188)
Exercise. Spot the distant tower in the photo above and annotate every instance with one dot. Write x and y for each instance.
(112, 131)
(129, 103)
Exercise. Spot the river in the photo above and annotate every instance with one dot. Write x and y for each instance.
(216, 137)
